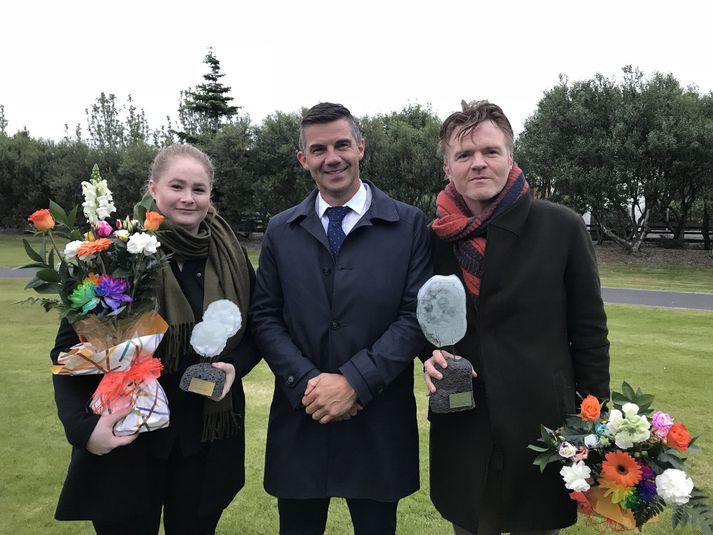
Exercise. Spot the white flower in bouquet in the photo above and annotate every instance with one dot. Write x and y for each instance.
(628, 426)
(575, 476)
(225, 312)
(122, 235)
(209, 338)
(143, 243)
(591, 441)
(70, 250)
(98, 200)
(674, 486)
(567, 450)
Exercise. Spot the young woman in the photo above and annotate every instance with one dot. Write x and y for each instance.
(193, 468)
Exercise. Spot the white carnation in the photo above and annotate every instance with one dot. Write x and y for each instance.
(208, 338)
(70, 250)
(226, 312)
(575, 476)
(674, 486)
(143, 243)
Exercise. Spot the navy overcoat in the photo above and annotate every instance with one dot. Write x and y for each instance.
(355, 315)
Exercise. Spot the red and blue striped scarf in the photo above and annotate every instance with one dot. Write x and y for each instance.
(456, 224)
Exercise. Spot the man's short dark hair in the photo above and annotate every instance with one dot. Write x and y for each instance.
(327, 112)
(472, 114)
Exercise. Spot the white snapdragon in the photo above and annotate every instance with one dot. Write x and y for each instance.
(674, 486)
(98, 201)
(575, 476)
(142, 242)
(70, 250)
(628, 426)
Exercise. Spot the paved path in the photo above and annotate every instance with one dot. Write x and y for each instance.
(658, 298)
(626, 296)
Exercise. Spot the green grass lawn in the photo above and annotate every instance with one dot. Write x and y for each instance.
(678, 278)
(666, 352)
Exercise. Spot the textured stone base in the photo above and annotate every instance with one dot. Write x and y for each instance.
(203, 379)
(454, 393)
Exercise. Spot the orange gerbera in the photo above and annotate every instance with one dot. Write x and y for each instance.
(93, 247)
(621, 469)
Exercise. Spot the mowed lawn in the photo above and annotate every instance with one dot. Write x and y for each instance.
(667, 352)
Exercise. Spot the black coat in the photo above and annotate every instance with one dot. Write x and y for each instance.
(124, 480)
(539, 336)
(355, 316)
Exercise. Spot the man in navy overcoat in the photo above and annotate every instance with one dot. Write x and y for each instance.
(334, 314)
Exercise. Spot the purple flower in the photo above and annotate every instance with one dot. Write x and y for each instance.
(103, 229)
(112, 292)
(647, 486)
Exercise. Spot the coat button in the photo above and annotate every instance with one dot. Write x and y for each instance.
(290, 380)
(326, 270)
(199, 274)
(334, 325)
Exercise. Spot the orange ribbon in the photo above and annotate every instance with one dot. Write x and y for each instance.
(115, 386)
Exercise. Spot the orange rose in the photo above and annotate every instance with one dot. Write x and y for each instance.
(678, 437)
(590, 408)
(42, 219)
(153, 221)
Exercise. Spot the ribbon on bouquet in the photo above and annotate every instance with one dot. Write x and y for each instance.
(116, 386)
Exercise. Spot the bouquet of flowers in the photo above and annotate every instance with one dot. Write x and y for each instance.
(106, 283)
(626, 465)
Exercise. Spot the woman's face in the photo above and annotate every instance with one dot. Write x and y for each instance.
(182, 192)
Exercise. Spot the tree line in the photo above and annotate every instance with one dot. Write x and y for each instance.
(634, 152)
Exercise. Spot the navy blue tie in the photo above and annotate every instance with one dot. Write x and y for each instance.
(335, 234)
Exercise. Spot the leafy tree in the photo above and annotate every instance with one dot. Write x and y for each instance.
(205, 109)
(104, 124)
(24, 172)
(623, 150)
(280, 181)
(230, 151)
(401, 157)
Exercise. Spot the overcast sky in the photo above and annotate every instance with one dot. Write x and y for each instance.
(372, 56)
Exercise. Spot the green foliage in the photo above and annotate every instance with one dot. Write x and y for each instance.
(628, 395)
(280, 181)
(401, 157)
(620, 149)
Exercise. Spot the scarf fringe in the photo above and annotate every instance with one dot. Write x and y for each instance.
(219, 425)
(173, 345)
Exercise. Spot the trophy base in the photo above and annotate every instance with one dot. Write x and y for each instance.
(203, 379)
(454, 393)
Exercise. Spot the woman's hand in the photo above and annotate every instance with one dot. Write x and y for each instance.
(229, 371)
(430, 371)
(103, 440)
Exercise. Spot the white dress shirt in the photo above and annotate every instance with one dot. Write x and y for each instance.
(359, 204)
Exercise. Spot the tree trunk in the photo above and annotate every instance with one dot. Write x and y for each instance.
(621, 242)
(642, 232)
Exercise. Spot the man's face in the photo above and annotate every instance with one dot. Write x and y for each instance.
(478, 164)
(332, 156)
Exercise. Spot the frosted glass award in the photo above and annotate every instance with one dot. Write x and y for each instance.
(221, 320)
(441, 313)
